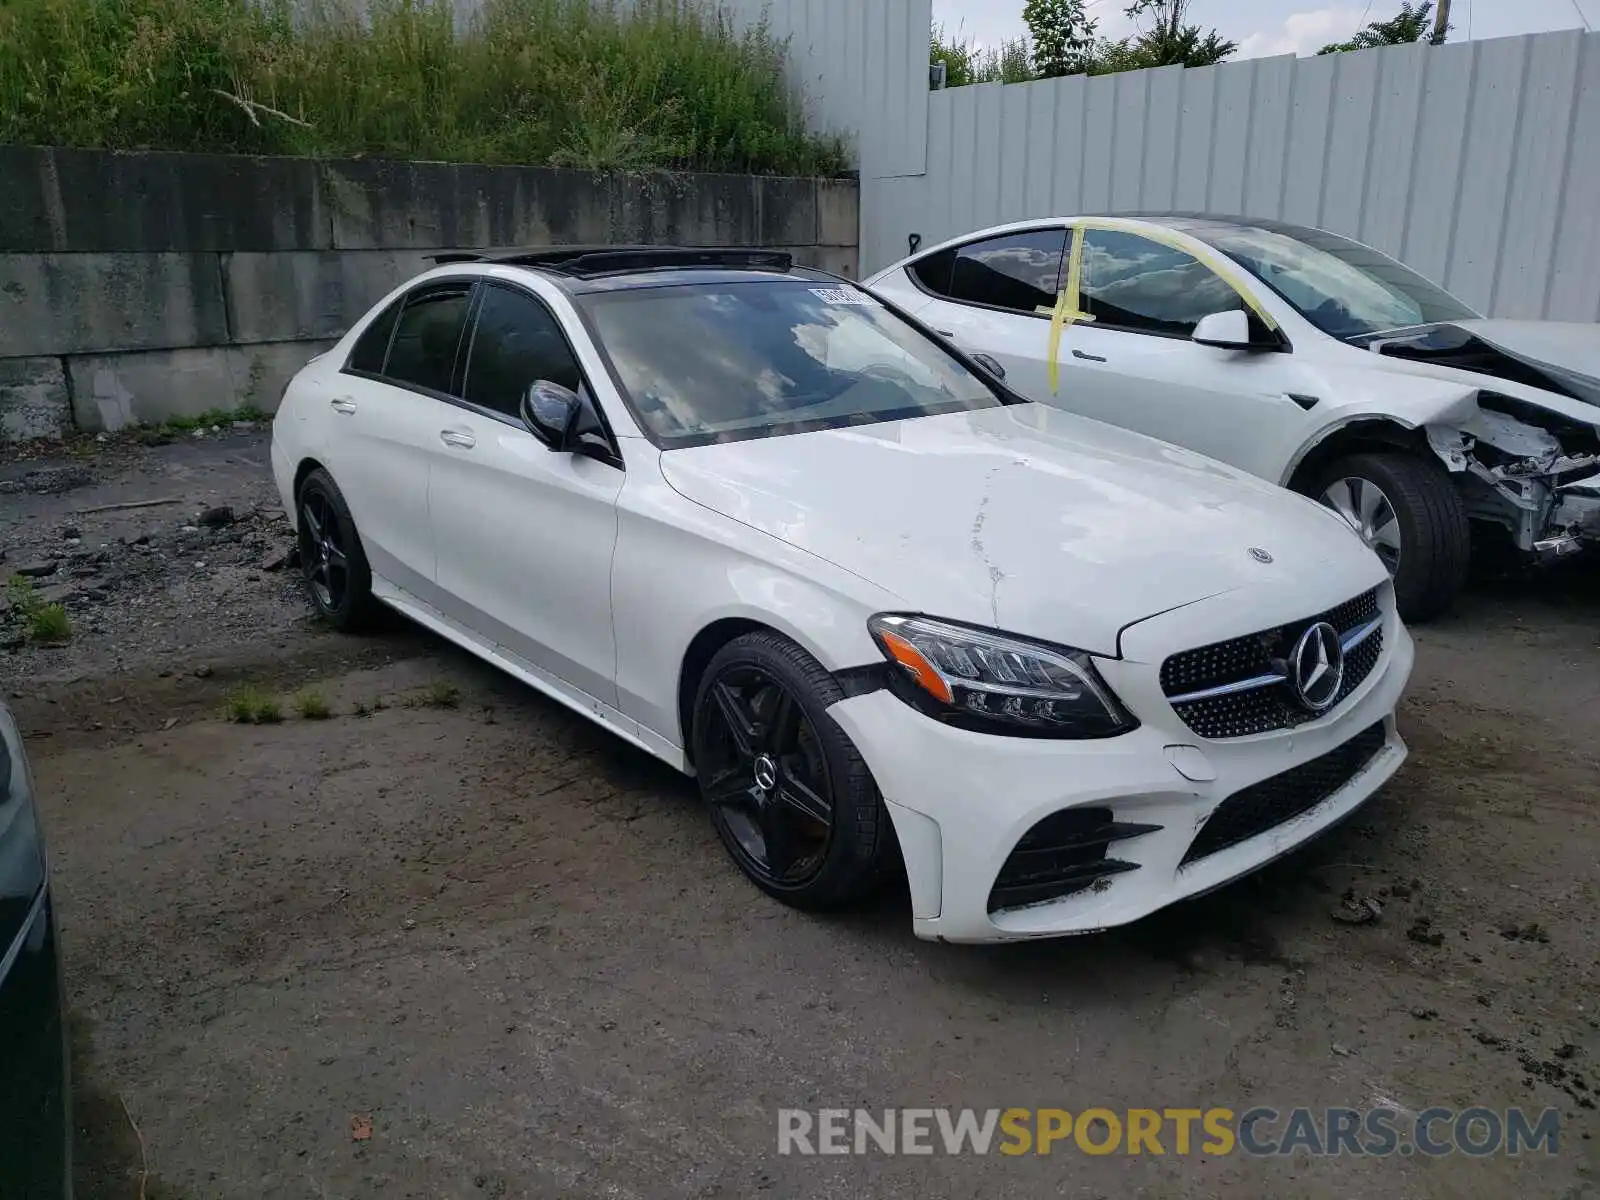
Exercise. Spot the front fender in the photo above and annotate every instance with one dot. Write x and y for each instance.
(1367, 397)
(679, 568)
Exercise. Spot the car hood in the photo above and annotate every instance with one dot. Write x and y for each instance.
(1030, 519)
(1562, 356)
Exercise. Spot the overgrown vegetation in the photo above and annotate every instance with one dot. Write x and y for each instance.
(1064, 40)
(43, 624)
(654, 83)
(966, 64)
(160, 433)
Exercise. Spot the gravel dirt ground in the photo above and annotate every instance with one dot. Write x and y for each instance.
(455, 942)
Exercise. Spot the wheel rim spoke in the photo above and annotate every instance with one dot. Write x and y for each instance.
(1388, 534)
(777, 839)
(739, 723)
(1342, 502)
(730, 788)
(313, 525)
(802, 798)
(781, 730)
(1368, 501)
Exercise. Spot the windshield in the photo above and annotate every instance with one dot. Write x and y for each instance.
(1343, 288)
(754, 358)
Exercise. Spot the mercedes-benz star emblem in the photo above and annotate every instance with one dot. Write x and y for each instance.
(1260, 555)
(1316, 668)
(766, 773)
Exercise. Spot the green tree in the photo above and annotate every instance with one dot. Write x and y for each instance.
(1413, 24)
(1166, 40)
(1063, 36)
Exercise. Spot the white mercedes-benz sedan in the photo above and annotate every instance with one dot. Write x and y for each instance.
(778, 534)
(1301, 356)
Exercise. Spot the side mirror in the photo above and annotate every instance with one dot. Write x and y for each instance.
(550, 412)
(990, 364)
(1225, 331)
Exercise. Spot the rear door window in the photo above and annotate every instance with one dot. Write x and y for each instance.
(428, 336)
(373, 345)
(934, 271)
(1016, 271)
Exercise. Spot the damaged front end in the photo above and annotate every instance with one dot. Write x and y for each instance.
(1531, 470)
(1535, 473)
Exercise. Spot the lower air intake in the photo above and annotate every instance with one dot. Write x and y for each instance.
(1268, 804)
(1062, 854)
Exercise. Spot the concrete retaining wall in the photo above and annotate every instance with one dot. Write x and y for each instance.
(137, 287)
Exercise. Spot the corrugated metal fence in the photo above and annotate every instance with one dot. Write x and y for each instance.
(1477, 163)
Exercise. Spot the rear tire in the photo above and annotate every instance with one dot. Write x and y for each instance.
(1429, 523)
(766, 781)
(337, 576)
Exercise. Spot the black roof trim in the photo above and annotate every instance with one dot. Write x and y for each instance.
(585, 262)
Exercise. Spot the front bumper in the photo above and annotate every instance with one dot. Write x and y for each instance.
(35, 1107)
(962, 801)
(283, 471)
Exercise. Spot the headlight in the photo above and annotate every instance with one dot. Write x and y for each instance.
(985, 680)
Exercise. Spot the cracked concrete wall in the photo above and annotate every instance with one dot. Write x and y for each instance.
(140, 286)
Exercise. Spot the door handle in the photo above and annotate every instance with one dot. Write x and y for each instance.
(1087, 357)
(343, 404)
(945, 333)
(454, 437)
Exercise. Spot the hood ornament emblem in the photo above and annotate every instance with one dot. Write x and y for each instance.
(1260, 555)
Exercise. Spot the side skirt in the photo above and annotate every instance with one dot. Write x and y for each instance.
(581, 702)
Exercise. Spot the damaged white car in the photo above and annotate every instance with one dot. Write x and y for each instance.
(1300, 356)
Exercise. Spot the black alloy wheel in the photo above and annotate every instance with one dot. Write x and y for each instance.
(789, 795)
(331, 555)
(327, 566)
(767, 782)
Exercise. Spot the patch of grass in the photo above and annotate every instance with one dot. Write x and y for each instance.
(240, 705)
(443, 695)
(49, 625)
(44, 624)
(162, 432)
(312, 706)
(650, 83)
(249, 705)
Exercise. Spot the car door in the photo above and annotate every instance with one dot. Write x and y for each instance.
(524, 535)
(995, 296)
(1127, 358)
(383, 425)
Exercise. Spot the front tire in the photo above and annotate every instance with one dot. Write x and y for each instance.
(1411, 514)
(789, 794)
(331, 557)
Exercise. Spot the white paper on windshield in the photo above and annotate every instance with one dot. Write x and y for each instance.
(845, 295)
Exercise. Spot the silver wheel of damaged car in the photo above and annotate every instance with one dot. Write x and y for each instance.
(1368, 511)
